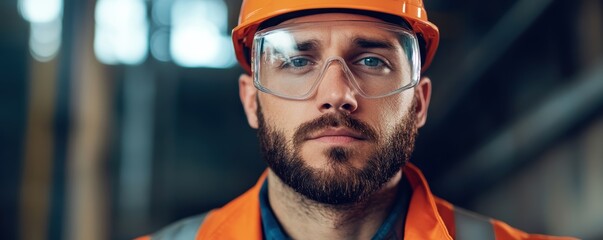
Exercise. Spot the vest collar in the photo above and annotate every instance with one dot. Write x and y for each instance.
(240, 219)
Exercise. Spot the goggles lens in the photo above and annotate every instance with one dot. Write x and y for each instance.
(378, 59)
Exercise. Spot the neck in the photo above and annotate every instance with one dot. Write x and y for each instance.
(302, 218)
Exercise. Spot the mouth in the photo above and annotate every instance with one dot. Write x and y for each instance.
(336, 136)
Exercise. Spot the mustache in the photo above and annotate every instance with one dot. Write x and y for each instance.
(334, 120)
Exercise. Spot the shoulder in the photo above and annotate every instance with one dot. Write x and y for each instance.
(461, 222)
(183, 229)
(238, 219)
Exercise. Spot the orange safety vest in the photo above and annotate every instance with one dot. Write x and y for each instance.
(428, 217)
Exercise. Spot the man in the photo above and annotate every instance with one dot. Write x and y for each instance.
(336, 95)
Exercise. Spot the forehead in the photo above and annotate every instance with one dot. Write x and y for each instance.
(331, 17)
(353, 34)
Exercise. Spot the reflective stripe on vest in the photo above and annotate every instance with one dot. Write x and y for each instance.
(470, 226)
(185, 229)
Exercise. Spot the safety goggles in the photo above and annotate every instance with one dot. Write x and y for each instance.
(377, 59)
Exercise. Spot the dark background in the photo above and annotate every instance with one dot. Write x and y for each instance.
(91, 150)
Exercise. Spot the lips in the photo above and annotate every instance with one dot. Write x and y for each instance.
(336, 134)
(333, 128)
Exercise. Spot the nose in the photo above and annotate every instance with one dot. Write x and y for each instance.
(335, 92)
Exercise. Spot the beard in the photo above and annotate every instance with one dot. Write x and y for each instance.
(339, 183)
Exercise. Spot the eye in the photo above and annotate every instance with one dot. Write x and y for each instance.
(299, 62)
(372, 62)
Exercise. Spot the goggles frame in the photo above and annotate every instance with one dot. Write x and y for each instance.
(414, 58)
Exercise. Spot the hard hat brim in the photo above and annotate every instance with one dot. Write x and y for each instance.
(252, 16)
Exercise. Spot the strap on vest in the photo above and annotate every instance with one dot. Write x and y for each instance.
(470, 226)
(185, 229)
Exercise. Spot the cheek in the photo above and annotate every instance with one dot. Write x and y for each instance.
(390, 111)
(283, 115)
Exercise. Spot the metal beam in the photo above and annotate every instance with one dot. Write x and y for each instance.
(516, 143)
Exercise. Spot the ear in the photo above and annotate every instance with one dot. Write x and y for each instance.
(422, 95)
(248, 93)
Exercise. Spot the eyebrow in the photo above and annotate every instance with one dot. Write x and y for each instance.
(308, 45)
(360, 42)
(373, 43)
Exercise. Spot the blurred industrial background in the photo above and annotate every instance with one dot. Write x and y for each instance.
(118, 117)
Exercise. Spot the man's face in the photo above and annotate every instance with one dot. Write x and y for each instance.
(336, 147)
(337, 181)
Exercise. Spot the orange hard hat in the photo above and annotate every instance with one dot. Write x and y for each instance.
(255, 12)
